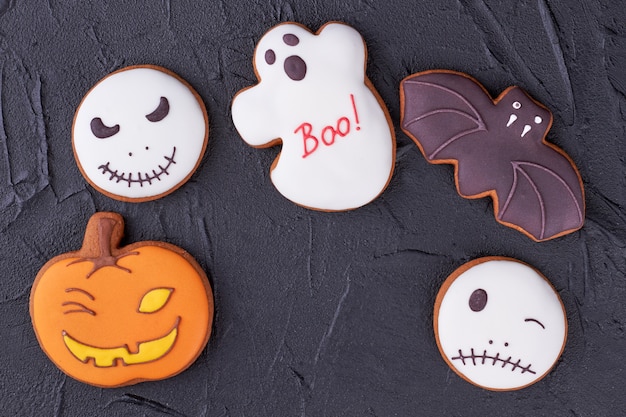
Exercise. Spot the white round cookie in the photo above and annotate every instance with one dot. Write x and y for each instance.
(499, 323)
(139, 133)
(338, 146)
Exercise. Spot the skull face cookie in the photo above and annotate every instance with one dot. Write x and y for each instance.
(139, 133)
(338, 145)
(499, 324)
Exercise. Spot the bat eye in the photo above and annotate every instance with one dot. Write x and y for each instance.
(538, 119)
(102, 131)
(517, 105)
(478, 300)
(160, 112)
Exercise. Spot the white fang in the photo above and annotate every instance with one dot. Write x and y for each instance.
(512, 118)
(526, 130)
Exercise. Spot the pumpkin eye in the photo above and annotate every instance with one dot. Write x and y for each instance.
(154, 300)
(160, 112)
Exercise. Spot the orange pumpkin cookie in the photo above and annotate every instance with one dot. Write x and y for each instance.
(111, 316)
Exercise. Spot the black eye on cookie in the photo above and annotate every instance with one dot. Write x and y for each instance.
(102, 131)
(294, 66)
(478, 300)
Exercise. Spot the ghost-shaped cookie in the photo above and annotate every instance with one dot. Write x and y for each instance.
(338, 145)
(139, 133)
(499, 324)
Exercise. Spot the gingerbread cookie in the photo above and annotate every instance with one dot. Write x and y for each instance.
(139, 133)
(498, 148)
(111, 316)
(499, 324)
(338, 144)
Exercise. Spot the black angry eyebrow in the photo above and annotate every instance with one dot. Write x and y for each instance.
(160, 112)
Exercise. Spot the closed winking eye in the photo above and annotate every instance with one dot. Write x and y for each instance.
(535, 321)
(77, 307)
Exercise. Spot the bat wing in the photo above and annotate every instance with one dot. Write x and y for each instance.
(440, 108)
(542, 201)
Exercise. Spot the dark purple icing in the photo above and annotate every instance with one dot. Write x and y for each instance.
(481, 357)
(295, 68)
(535, 321)
(138, 177)
(160, 112)
(291, 39)
(478, 300)
(316, 309)
(497, 148)
(270, 57)
(102, 131)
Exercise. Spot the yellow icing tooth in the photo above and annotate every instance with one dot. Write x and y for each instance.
(109, 316)
(154, 349)
(154, 300)
(106, 357)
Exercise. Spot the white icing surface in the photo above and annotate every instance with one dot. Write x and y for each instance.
(141, 147)
(355, 168)
(515, 294)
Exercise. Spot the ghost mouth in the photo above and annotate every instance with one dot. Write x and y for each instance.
(485, 359)
(145, 177)
(148, 351)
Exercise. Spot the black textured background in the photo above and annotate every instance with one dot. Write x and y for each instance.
(317, 314)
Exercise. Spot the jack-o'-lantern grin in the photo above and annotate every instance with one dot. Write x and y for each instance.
(147, 351)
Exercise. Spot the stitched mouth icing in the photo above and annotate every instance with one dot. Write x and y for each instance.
(485, 359)
(141, 178)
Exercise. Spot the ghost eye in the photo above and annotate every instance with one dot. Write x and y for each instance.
(478, 300)
(291, 39)
(538, 119)
(102, 131)
(270, 57)
(517, 105)
(535, 321)
(160, 112)
(155, 299)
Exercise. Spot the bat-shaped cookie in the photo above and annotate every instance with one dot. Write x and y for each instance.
(498, 148)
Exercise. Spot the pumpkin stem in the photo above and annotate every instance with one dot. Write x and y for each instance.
(105, 234)
(102, 237)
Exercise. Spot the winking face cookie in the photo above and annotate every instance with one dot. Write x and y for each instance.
(499, 324)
